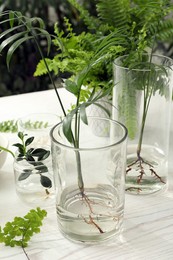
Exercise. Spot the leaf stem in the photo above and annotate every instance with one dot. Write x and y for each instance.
(79, 171)
(7, 150)
(52, 81)
(47, 67)
(25, 253)
(147, 98)
(77, 121)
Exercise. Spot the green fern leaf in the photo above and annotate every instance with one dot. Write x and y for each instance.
(41, 68)
(130, 116)
(90, 21)
(113, 12)
(127, 108)
(163, 30)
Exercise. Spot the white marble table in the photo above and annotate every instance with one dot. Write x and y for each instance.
(148, 220)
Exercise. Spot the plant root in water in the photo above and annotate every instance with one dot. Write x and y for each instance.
(91, 220)
(140, 164)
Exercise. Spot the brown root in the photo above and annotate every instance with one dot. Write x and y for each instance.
(141, 163)
(91, 221)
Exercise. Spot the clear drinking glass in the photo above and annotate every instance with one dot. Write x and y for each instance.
(142, 95)
(90, 180)
(39, 126)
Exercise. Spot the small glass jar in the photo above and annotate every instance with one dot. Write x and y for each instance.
(34, 182)
(39, 126)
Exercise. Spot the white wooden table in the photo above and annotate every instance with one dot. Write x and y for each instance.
(148, 220)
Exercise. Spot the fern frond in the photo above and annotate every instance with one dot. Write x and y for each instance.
(148, 12)
(41, 67)
(127, 108)
(90, 21)
(162, 29)
(114, 13)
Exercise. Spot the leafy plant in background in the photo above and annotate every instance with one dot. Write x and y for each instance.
(45, 9)
(141, 24)
(35, 157)
(19, 231)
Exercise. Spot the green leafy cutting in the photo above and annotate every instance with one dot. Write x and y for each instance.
(20, 230)
(33, 156)
(31, 153)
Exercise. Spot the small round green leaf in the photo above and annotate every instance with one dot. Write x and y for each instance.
(45, 181)
(29, 141)
(24, 175)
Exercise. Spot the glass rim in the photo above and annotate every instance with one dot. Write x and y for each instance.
(137, 69)
(41, 116)
(124, 137)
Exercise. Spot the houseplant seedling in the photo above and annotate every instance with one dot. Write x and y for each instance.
(35, 157)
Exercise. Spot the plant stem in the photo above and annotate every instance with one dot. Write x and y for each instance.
(50, 77)
(25, 253)
(78, 157)
(7, 150)
(79, 171)
(22, 242)
(77, 119)
(147, 98)
(142, 128)
(47, 67)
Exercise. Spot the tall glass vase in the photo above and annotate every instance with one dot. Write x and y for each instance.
(90, 180)
(143, 95)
